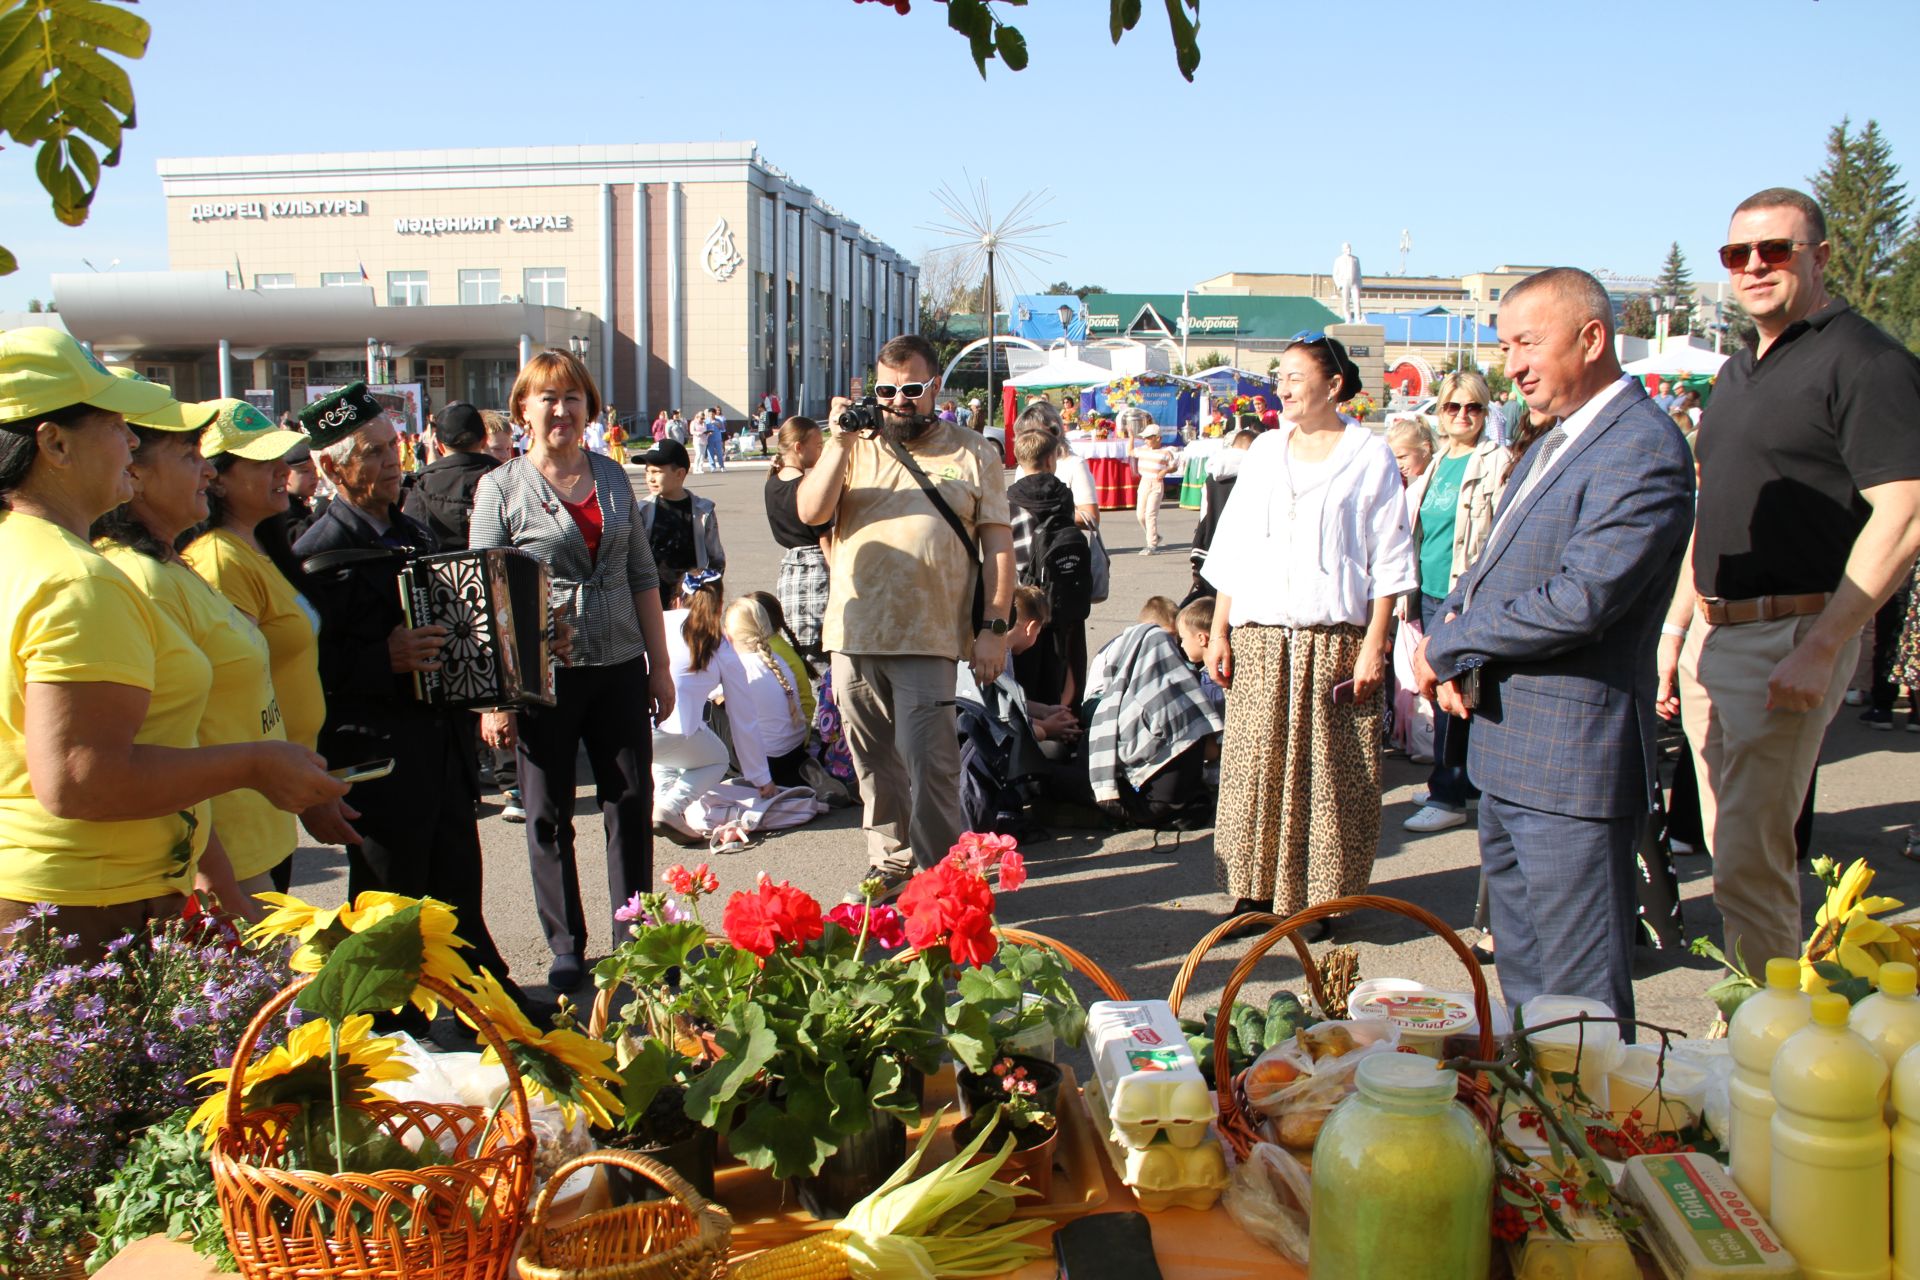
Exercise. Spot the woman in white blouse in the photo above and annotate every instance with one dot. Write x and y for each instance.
(776, 691)
(688, 757)
(1308, 558)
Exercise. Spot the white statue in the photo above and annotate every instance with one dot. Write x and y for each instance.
(1346, 282)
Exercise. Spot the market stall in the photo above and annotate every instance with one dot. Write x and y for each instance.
(1193, 479)
(1173, 401)
(1114, 479)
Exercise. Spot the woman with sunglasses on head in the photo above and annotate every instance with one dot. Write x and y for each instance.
(1453, 504)
(104, 784)
(574, 509)
(1308, 560)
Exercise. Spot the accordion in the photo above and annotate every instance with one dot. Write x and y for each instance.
(493, 603)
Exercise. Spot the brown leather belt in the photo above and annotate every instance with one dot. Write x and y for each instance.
(1723, 613)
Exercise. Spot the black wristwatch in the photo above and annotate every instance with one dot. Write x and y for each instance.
(997, 626)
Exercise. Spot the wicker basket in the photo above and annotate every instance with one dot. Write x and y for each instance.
(1235, 1124)
(684, 1237)
(461, 1219)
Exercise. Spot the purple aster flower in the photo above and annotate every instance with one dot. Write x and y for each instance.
(19, 926)
(90, 1008)
(185, 1017)
(42, 910)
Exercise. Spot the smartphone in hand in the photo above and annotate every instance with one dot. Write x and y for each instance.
(1341, 695)
(365, 772)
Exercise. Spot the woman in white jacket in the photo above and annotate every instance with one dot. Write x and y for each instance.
(1308, 559)
(688, 756)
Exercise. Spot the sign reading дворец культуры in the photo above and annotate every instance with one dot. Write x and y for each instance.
(437, 226)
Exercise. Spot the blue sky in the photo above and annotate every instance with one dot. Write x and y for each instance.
(1493, 131)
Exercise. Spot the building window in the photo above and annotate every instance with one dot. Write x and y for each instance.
(406, 288)
(1493, 295)
(546, 286)
(478, 288)
(274, 280)
(334, 279)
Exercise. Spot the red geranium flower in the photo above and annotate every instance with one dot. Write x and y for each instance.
(748, 925)
(795, 915)
(950, 904)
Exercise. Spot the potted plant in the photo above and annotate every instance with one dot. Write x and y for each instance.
(1016, 1105)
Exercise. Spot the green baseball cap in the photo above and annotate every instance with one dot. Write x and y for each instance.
(243, 431)
(43, 369)
(178, 415)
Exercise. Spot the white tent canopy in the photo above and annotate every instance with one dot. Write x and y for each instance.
(1678, 360)
(1065, 371)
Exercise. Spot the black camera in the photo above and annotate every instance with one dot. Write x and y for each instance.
(862, 417)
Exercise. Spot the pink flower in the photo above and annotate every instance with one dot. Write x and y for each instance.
(672, 912)
(631, 912)
(1013, 870)
(704, 880)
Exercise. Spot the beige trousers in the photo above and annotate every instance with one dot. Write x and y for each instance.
(898, 712)
(1753, 766)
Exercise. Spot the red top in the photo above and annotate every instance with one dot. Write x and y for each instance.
(586, 514)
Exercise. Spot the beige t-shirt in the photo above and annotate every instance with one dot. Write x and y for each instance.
(902, 581)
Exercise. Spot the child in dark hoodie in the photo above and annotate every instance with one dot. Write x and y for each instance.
(1051, 552)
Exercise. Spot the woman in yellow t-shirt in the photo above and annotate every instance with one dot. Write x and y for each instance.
(102, 782)
(251, 463)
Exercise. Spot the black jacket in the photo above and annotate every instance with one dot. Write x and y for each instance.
(442, 498)
(1037, 502)
(371, 711)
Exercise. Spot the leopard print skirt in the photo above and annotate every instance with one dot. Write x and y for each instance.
(1299, 817)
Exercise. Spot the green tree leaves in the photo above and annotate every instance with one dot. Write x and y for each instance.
(61, 94)
(989, 37)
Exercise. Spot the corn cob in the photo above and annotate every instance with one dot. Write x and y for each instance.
(816, 1257)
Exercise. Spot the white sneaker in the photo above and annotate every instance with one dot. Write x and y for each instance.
(1423, 796)
(1856, 698)
(1433, 818)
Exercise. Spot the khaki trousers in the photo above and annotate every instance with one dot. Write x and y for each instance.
(898, 712)
(1753, 766)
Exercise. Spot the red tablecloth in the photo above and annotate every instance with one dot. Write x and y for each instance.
(1114, 482)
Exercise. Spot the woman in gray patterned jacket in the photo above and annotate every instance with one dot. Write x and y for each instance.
(575, 510)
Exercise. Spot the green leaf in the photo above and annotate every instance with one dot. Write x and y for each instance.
(786, 1140)
(747, 1048)
(970, 18)
(848, 1110)
(1186, 36)
(1012, 47)
(642, 1079)
(1123, 16)
(372, 970)
(971, 1039)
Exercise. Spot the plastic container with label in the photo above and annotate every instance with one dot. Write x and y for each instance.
(1160, 1174)
(1462, 1041)
(1587, 1050)
(1759, 1027)
(1402, 1180)
(1906, 1166)
(1598, 1250)
(1830, 1148)
(1669, 1096)
(1147, 1073)
(1699, 1224)
(1426, 1017)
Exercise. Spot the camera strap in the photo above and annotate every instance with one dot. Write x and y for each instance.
(953, 521)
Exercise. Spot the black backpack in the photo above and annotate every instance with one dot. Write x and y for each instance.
(1061, 563)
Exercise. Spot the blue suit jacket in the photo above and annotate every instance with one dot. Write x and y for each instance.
(1566, 605)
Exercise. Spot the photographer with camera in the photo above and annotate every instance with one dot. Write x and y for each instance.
(922, 577)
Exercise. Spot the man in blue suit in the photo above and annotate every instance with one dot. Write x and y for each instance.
(1549, 641)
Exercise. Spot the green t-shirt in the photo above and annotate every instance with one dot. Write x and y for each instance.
(1436, 524)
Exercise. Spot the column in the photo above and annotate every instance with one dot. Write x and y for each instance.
(780, 300)
(526, 350)
(640, 362)
(226, 369)
(836, 376)
(807, 378)
(373, 360)
(606, 287)
(675, 299)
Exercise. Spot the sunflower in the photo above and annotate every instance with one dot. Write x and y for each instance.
(563, 1067)
(292, 918)
(297, 1071)
(1845, 931)
(439, 957)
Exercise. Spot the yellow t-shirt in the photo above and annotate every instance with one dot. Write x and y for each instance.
(73, 618)
(239, 708)
(901, 580)
(803, 682)
(258, 589)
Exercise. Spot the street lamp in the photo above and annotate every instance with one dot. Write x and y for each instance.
(1066, 322)
(386, 362)
(577, 344)
(1662, 306)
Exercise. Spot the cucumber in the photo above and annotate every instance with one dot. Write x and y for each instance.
(1284, 1016)
(1249, 1031)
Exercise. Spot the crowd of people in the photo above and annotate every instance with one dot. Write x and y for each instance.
(200, 634)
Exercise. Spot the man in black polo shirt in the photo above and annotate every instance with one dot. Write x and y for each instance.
(1808, 519)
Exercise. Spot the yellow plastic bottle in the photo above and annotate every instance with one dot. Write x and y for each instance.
(1906, 1166)
(1890, 1018)
(1830, 1149)
(1759, 1028)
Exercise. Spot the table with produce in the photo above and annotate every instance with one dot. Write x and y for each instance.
(905, 1089)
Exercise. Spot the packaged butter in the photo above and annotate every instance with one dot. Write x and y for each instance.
(1597, 1251)
(1699, 1224)
(1147, 1073)
(1160, 1174)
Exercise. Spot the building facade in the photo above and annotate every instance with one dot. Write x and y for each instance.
(690, 274)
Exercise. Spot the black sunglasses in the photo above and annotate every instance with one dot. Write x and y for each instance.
(1464, 408)
(911, 390)
(1773, 253)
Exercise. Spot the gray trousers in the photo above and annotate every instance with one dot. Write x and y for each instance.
(898, 712)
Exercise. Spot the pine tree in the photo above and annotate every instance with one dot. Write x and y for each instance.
(1866, 207)
(1677, 284)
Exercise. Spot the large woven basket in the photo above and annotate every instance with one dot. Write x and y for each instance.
(1236, 1124)
(457, 1221)
(683, 1237)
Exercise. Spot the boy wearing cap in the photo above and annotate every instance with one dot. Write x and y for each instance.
(442, 498)
(682, 527)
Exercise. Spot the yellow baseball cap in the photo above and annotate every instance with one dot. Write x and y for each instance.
(43, 369)
(243, 431)
(178, 415)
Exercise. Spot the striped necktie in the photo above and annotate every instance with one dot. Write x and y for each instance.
(1549, 445)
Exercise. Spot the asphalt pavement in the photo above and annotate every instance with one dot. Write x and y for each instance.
(1137, 904)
